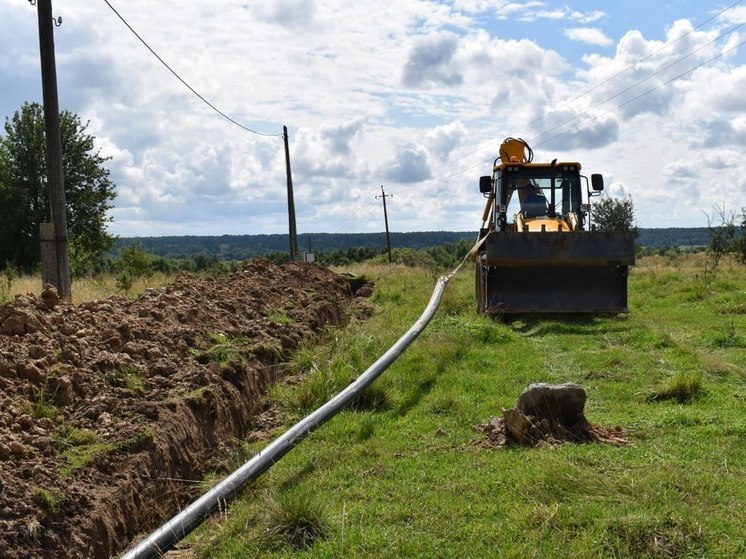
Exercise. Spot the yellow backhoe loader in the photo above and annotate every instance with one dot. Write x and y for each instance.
(537, 252)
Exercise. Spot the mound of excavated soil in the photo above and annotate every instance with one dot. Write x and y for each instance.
(111, 409)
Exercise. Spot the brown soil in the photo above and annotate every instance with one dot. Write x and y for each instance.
(111, 410)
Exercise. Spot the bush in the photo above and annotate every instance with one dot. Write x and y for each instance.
(135, 261)
(727, 236)
(615, 214)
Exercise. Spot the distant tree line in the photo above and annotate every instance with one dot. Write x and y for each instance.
(243, 247)
(336, 245)
(446, 255)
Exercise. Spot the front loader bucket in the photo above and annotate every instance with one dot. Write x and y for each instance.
(577, 272)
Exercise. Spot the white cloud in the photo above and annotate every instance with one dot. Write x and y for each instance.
(527, 11)
(646, 75)
(410, 164)
(559, 14)
(285, 12)
(545, 14)
(682, 168)
(442, 140)
(589, 17)
(725, 159)
(326, 151)
(714, 92)
(565, 129)
(502, 9)
(723, 132)
(589, 35)
(378, 93)
(734, 15)
(430, 62)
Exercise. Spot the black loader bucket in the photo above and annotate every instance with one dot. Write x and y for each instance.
(548, 272)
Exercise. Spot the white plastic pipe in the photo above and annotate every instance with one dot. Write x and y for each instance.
(176, 529)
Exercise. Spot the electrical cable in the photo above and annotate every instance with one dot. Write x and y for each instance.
(625, 90)
(607, 80)
(539, 137)
(666, 45)
(213, 107)
(649, 90)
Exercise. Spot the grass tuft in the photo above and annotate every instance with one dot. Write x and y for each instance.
(682, 387)
(446, 404)
(327, 369)
(367, 428)
(295, 519)
(373, 398)
(140, 440)
(79, 447)
(46, 499)
(312, 393)
(223, 350)
(126, 376)
(727, 336)
(279, 316)
(644, 537)
(42, 405)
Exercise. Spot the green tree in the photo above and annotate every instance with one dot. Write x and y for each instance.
(24, 195)
(615, 214)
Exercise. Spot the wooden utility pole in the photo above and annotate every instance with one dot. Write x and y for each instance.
(291, 203)
(55, 267)
(386, 220)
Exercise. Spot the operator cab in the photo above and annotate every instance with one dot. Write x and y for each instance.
(537, 197)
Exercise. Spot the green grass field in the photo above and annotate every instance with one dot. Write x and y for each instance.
(401, 475)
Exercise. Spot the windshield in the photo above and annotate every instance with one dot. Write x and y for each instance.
(531, 193)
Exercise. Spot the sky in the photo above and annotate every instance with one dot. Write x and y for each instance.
(414, 96)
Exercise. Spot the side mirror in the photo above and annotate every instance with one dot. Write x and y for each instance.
(485, 185)
(597, 182)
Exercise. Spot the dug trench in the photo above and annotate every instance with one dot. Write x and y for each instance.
(113, 410)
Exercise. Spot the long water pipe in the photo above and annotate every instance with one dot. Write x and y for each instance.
(176, 529)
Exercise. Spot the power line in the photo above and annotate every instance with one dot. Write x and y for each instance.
(665, 46)
(650, 90)
(213, 107)
(419, 175)
(678, 76)
(625, 90)
(470, 167)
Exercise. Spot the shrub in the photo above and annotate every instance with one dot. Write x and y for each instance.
(615, 214)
